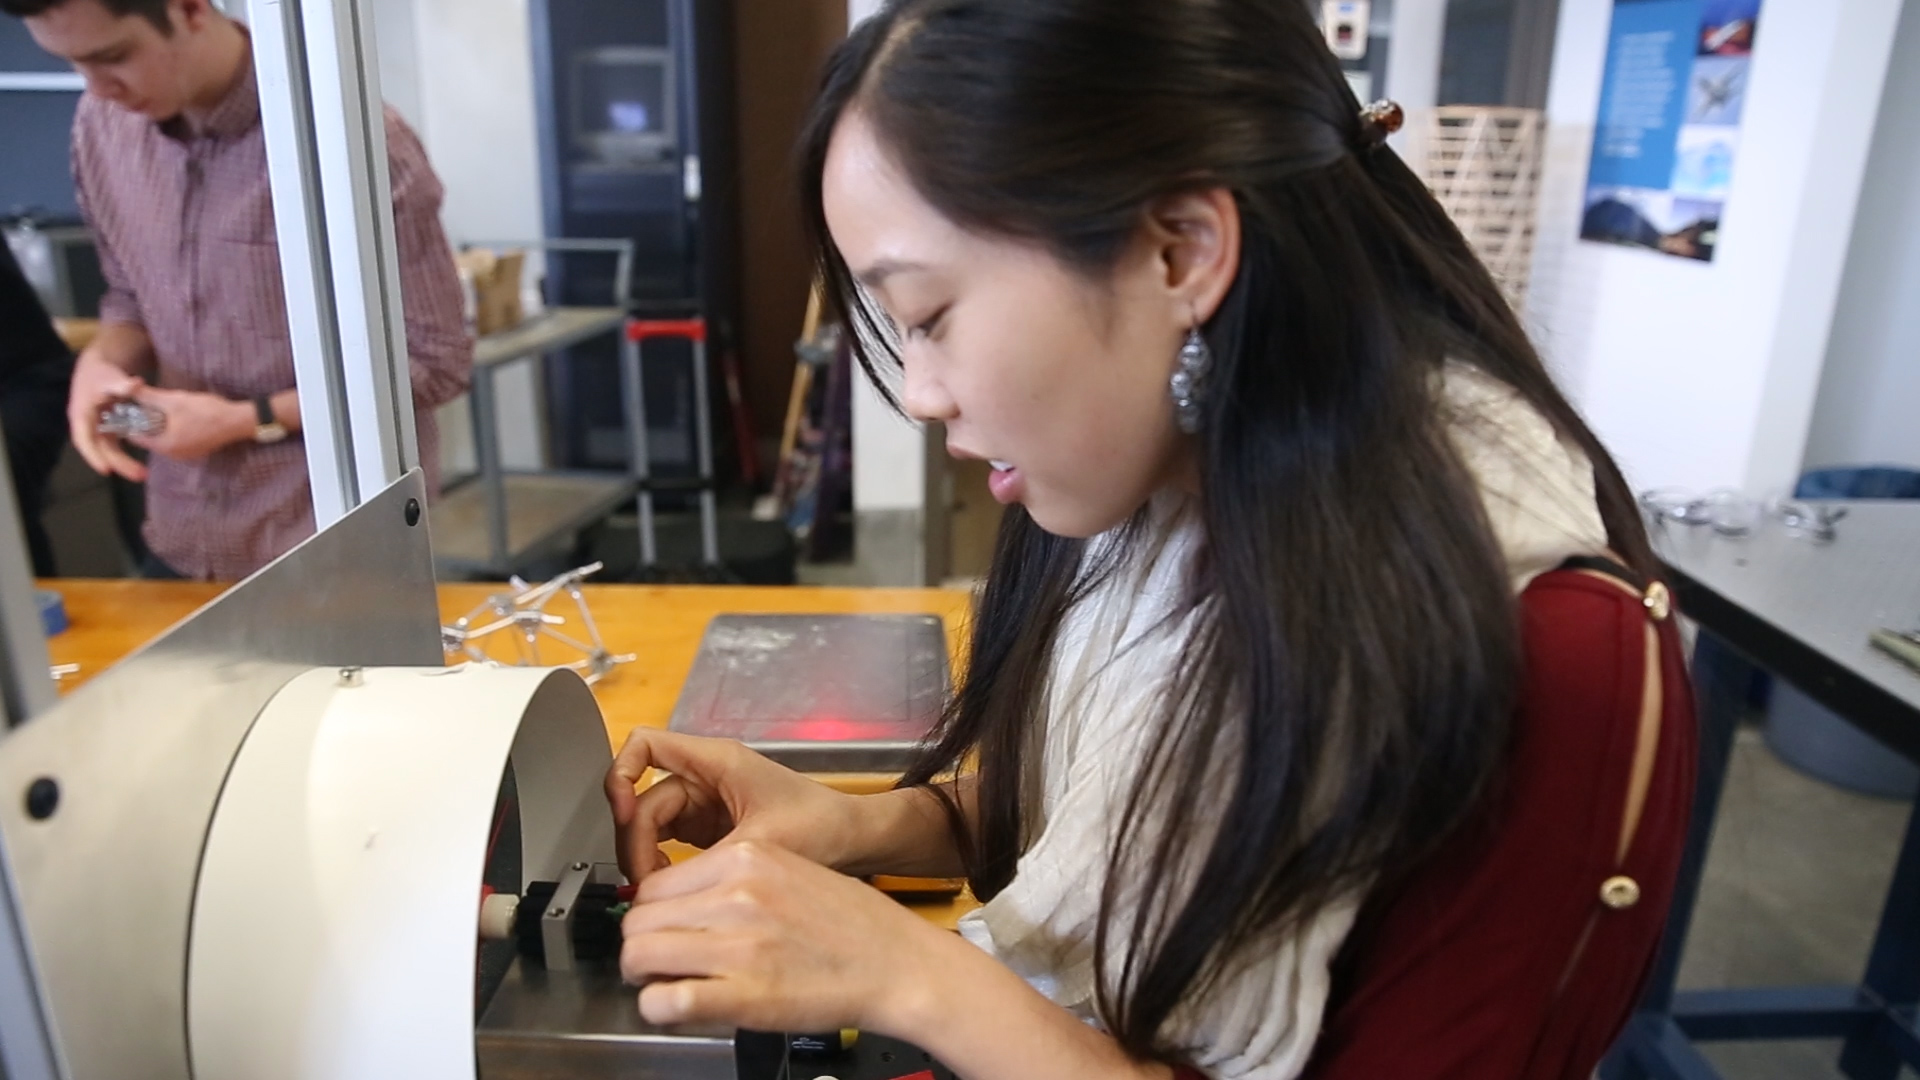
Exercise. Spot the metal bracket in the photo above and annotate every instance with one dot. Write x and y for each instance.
(140, 755)
(326, 139)
(26, 680)
(556, 922)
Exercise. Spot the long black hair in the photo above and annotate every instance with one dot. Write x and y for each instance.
(1344, 698)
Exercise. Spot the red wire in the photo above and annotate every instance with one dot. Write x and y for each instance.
(498, 823)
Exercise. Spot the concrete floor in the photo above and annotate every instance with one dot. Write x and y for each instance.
(1795, 880)
(888, 554)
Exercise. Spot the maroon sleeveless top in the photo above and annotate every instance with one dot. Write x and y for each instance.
(1519, 951)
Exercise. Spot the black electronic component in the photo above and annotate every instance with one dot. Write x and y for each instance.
(822, 1046)
(858, 1056)
(635, 108)
(595, 922)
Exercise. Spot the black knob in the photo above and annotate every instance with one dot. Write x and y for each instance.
(43, 798)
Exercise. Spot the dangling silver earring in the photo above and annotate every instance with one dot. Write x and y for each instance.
(1189, 384)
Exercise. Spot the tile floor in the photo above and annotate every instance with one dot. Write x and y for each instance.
(1795, 880)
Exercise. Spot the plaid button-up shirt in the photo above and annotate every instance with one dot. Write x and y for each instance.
(183, 216)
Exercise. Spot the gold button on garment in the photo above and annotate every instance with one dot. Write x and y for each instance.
(1658, 601)
(1620, 893)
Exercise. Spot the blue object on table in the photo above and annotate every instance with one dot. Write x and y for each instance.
(53, 611)
(1864, 482)
(1806, 735)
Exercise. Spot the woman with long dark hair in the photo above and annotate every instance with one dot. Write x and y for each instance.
(1279, 458)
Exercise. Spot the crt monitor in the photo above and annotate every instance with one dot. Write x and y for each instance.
(623, 104)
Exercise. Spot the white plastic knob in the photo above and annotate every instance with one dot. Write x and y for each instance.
(497, 914)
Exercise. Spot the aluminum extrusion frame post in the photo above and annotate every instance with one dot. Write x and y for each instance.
(325, 127)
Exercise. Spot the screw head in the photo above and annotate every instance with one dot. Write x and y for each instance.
(413, 512)
(43, 798)
(579, 866)
(554, 913)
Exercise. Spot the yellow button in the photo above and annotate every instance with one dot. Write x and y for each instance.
(1659, 601)
(1620, 893)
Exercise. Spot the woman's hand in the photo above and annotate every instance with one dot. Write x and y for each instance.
(751, 936)
(758, 937)
(720, 790)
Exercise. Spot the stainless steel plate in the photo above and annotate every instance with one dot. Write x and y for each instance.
(105, 885)
(584, 1025)
(821, 693)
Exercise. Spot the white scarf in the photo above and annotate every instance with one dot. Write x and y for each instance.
(1115, 653)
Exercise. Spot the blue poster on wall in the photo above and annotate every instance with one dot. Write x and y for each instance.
(1669, 123)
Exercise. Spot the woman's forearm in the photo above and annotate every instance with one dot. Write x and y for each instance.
(908, 832)
(985, 1023)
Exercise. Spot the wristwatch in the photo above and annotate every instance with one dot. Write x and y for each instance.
(269, 430)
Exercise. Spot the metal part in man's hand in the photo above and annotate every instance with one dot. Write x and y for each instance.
(130, 418)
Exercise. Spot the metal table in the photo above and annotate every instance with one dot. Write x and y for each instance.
(1803, 611)
(473, 530)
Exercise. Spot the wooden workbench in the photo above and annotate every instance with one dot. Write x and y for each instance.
(662, 624)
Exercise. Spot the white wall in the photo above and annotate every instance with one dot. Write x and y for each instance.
(1868, 410)
(1416, 40)
(1414, 50)
(397, 40)
(461, 72)
(889, 454)
(1701, 375)
(476, 74)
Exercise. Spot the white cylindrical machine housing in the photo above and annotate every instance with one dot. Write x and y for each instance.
(336, 917)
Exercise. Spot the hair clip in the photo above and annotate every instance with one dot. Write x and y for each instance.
(1381, 119)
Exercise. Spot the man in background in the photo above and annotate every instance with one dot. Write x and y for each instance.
(34, 368)
(170, 164)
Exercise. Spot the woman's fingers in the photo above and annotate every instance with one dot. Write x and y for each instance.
(648, 822)
(752, 935)
(693, 1001)
(685, 755)
(672, 954)
(730, 906)
(629, 765)
(696, 768)
(730, 862)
